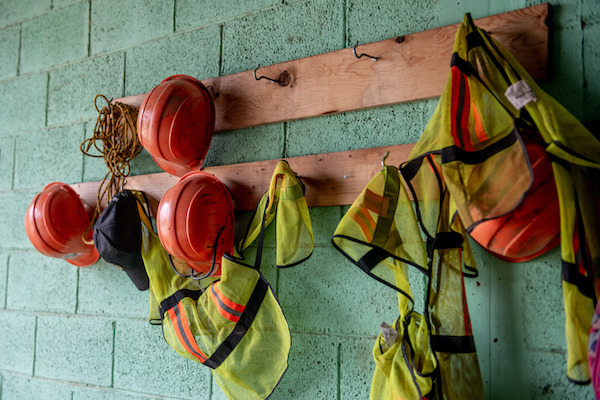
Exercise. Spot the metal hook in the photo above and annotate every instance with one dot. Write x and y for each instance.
(384, 158)
(363, 54)
(283, 79)
(262, 77)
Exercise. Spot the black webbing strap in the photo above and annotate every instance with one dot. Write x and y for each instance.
(452, 344)
(241, 327)
(455, 153)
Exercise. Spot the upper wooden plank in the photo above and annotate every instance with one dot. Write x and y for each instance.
(412, 68)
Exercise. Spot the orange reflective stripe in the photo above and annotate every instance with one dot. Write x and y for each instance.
(364, 220)
(181, 327)
(376, 203)
(479, 130)
(222, 302)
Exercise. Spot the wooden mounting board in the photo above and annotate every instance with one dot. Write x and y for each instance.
(334, 82)
(330, 178)
(417, 68)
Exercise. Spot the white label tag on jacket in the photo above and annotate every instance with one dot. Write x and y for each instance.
(519, 94)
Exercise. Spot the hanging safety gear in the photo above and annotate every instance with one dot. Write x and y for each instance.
(533, 227)
(118, 235)
(194, 222)
(56, 222)
(235, 326)
(594, 351)
(381, 234)
(477, 134)
(176, 124)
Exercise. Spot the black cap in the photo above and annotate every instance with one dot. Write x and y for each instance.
(118, 237)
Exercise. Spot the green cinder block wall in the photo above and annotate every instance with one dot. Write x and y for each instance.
(69, 333)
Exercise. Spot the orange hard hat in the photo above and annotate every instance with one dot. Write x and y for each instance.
(55, 223)
(176, 123)
(533, 227)
(194, 221)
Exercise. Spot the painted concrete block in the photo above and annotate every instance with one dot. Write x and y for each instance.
(283, 33)
(83, 393)
(193, 13)
(55, 38)
(72, 89)
(478, 297)
(105, 289)
(9, 51)
(245, 145)
(329, 294)
(17, 342)
(324, 221)
(18, 10)
(193, 53)
(590, 12)
(117, 25)
(399, 124)
(313, 369)
(56, 292)
(542, 299)
(75, 349)
(12, 215)
(3, 279)
(57, 149)
(591, 55)
(356, 367)
(383, 19)
(452, 12)
(23, 103)
(547, 379)
(566, 85)
(145, 363)
(7, 162)
(19, 387)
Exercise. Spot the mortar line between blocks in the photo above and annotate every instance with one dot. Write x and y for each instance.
(6, 279)
(285, 136)
(221, 30)
(346, 32)
(339, 372)
(123, 93)
(114, 345)
(20, 48)
(174, 16)
(47, 98)
(77, 292)
(35, 332)
(89, 47)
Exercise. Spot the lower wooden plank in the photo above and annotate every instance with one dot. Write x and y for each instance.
(331, 179)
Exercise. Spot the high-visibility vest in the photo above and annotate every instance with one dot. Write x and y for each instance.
(235, 326)
(476, 138)
(434, 356)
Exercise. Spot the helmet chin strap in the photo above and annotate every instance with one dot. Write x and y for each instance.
(212, 266)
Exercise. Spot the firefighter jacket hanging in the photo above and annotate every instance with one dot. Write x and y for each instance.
(434, 356)
(477, 143)
(235, 326)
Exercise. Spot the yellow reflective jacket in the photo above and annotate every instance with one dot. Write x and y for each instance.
(487, 172)
(434, 356)
(235, 326)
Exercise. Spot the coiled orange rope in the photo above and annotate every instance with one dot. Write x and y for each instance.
(115, 139)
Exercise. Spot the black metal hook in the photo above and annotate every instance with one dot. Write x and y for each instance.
(282, 80)
(363, 54)
(384, 158)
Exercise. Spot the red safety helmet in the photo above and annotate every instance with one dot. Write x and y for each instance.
(55, 223)
(195, 222)
(533, 227)
(176, 123)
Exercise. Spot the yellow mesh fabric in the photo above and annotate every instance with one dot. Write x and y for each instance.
(576, 166)
(405, 369)
(382, 235)
(285, 198)
(235, 325)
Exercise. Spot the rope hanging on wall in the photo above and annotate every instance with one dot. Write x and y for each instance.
(115, 139)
